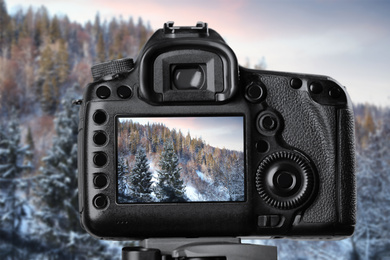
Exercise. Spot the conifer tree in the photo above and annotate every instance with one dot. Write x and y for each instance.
(63, 62)
(42, 26)
(54, 29)
(13, 165)
(141, 178)
(96, 30)
(100, 49)
(170, 187)
(123, 183)
(4, 25)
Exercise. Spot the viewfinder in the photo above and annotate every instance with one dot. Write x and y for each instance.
(188, 76)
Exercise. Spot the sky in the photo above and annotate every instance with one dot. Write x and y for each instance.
(221, 132)
(348, 40)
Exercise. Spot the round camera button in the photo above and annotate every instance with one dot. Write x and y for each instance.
(124, 92)
(285, 180)
(99, 138)
(100, 181)
(254, 93)
(100, 159)
(269, 123)
(296, 83)
(335, 92)
(315, 88)
(103, 92)
(262, 146)
(100, 201)
(99, 117)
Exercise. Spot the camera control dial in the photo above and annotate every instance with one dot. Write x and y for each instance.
(285, 180)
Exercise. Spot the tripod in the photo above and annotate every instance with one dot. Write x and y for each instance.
(198, 249)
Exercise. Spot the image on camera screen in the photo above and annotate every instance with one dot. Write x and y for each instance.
(180, 159)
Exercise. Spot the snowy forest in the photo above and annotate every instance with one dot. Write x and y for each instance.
(45, 63)
(158, 164)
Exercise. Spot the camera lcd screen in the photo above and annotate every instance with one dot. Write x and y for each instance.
(180, 159)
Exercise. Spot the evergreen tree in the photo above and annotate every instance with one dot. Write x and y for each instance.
(54, 29)
(100, 49)
(141, 178)
(63, 62)
(57, 190)
(13, 199)
(96, 30)
(123, 183)
(4, 25)
(170, 187)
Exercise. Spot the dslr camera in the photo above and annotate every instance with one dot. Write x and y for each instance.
(183, 142)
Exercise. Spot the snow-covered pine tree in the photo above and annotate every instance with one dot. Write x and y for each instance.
(170, 187)
(123, 182)
(13, 202)
(56, 191)
(238, 179)
(14, 164)
(141, 178)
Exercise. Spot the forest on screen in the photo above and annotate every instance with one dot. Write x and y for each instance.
(159, 164)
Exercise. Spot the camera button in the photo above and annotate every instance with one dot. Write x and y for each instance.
(100, 159)
(274, 220)
(262, 146)
(100, 181)
(99, 117)
(269, 220)
(334, 92)
(255, 93)
(100, 201)
(296, 83)
(262, 221)
(99, 138)
(315, 88)
(269, 123)
(124, 92)
(103, 92)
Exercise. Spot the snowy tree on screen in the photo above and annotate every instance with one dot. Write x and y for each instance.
(123, 183)
(236, 191)
(141, 178)
(13, 201)
(229, 173)
(57, 191)
(170, 187)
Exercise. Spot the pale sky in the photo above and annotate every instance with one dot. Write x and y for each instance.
(221, 132)
(348, 40)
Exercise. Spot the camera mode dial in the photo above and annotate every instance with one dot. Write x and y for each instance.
(285, 180)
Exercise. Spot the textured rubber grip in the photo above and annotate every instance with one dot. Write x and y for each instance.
(111, 67)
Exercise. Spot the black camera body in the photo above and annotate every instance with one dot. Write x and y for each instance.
(185, 143)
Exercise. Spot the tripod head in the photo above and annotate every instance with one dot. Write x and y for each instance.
(198, 249)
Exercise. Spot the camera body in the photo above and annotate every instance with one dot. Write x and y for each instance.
(185, 143)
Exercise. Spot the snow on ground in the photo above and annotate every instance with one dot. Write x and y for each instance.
(193, 194)
(203, 177)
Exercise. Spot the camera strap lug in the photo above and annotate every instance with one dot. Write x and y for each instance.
(77, 102)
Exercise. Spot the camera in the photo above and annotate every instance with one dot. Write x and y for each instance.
(184, 142)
